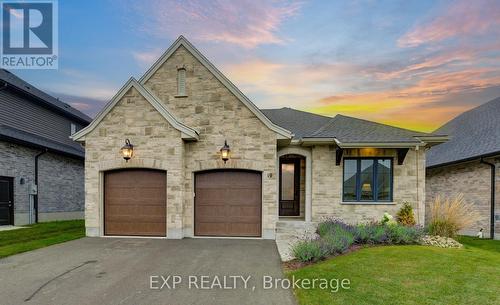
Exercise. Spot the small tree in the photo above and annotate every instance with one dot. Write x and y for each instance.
(405, 215)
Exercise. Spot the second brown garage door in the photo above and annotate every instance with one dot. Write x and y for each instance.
(135, 202)
(228, 203)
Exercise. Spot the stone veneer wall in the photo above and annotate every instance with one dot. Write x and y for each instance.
(218, 115)
(61, 187)
(409, 182)
(157, 145)
(474, 181)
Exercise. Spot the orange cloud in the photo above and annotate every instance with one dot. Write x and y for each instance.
(418, 106)
(462, 18)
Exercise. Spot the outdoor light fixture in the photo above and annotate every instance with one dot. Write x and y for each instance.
(224, 151)
(127, 150)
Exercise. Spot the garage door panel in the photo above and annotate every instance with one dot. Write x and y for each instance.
(244, 197)
(140, 229)
(228, 203)
(134, 210)
(244, 229)
(213, 229)
(209, 211)
(135, 202)
(210, 195)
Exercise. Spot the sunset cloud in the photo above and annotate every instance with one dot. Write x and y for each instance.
(246, 23)
(461, 18)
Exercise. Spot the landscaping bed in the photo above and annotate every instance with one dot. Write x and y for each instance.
(39, 235)
(410, 274)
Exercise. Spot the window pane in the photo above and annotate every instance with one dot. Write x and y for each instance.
(384, 179)
(350, 169)
(366, 179)
(287, 181)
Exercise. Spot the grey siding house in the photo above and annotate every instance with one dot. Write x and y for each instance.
(41, 168)
(469, 163)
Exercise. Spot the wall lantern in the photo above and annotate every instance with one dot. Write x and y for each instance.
(224, 151)
(127, 150)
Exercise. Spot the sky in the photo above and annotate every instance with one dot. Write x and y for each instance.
(412, 64)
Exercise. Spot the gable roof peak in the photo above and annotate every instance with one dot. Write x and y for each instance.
(187, 132)
(182, 41)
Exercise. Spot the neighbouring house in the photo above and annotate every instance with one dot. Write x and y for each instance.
(469, 163)
(41, 168)
(279, 165)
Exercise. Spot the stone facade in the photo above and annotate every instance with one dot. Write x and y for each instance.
(218, 115)
(157, 145)
(473, 180)
(409, 182)
(60, 183)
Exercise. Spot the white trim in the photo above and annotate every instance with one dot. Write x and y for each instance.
(423, 141)
(181, 41)
(187, 133)
(134, 237)
(297, 150)
(312, 141)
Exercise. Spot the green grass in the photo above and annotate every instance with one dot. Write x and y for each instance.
(410, 275)
(39, 235)
(485, 244)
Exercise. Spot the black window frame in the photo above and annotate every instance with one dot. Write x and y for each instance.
(374, 179)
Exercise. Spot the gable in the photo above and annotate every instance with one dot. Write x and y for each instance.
(181, 42)
(187, 133)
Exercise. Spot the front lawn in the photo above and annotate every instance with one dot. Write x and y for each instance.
(410, 275)
(39, 235)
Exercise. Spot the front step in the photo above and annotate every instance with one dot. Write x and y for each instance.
(288, 232)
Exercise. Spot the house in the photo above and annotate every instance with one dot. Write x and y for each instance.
(470, 164)
(41, 168)
(182, 152)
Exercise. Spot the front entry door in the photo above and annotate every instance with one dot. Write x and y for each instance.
(289, 187)
(6, 201)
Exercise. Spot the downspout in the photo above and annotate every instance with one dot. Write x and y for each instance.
(35, 198)
(492, 216)
(418, 186)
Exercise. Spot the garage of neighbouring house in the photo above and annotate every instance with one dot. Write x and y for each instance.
(228, 203)
(135, 202)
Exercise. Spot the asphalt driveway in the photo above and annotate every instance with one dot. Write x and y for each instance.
(136, 271)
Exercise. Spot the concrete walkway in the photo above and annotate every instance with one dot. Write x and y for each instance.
(124, 271)
(9, 228)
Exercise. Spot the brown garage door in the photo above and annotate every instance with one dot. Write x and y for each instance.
(135, 202)
(228, 203)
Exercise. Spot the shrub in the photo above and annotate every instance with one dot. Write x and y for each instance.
(405, 215)
(370, 233)
(309, 250)
(404, 235)
(450, 215)
(338, 243)
(387, 219)
(333, 226)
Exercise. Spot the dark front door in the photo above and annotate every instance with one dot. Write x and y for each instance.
(6, 201)
(289, 187)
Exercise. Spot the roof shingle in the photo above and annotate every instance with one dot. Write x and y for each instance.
(53, 102)
(344, 128)
(473, 134)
